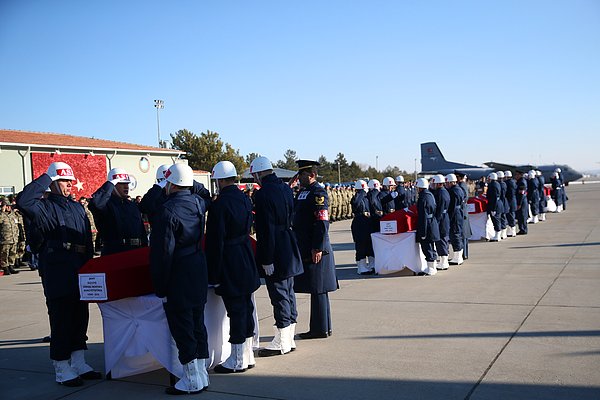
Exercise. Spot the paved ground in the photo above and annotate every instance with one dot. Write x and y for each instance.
(519, 320)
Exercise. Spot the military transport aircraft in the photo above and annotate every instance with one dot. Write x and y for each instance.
(433, 162)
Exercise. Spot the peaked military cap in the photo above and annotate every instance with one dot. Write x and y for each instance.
(304, 164)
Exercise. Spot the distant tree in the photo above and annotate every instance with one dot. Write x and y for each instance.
(204, 151)
(250, 157)
(289, 161)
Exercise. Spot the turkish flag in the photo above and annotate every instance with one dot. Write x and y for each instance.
(89, 171)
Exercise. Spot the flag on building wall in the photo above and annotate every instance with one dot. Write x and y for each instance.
(90, 171)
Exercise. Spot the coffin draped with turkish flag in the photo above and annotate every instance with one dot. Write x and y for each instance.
(477, 204)
(405, 220)
(120, 275)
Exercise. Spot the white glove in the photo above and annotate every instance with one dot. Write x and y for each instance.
(405, 209)
(162, 183)
(164, 299)
(493, 213)
(269, 269)
(394, 195)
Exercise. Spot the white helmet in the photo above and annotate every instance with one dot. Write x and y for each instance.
(160, 172)
(500, 174)
(223, 169)
(531, 174)
(118, 174)
(439, 178)
(493, 176)
(558, 170)
(399, 178)
(180, 174)
(538, 172)
(508, 174)
(555, 175)
(422, 183)
(360, 184)
(61, 170)
(388, 181)
(374, 184)
(260, 164)
(451, 178)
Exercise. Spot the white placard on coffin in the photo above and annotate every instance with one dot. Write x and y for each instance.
(388, 227)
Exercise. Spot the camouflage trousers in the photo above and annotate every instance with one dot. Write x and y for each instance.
(8, 254)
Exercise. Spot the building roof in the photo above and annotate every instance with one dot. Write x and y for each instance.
(58, 140)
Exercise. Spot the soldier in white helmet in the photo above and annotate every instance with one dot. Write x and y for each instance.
(428, 231)
(179, 275)
(67, 246)
(495, 206)
(118, 219)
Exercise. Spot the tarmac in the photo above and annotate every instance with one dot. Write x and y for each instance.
(519, 320)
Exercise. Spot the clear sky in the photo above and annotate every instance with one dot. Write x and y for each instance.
(511, 81)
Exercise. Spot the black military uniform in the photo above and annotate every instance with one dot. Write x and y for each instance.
(230, 259)
(428, 230)
(276, 245)
(67, 246)
(361, 229)
(118, 220)
(311, 225)
(179, 271)
(156, 196)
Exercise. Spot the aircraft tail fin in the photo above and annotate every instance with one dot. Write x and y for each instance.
(432, 159)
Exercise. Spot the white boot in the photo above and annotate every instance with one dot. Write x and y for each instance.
(362, 268)
(286, 340)
(78, 363)
(292, 334)
(504, 235)
(193, 379)
(249, 353)
(458, 258)
(431, 268)
(443, 264)
(542, 216)
(65, 374)
(275, 348)
(536, 219)
(497, 237)
(371, 263)
(235, 361)
(559, 208)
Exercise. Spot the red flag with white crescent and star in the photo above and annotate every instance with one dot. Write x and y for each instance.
(90, 171)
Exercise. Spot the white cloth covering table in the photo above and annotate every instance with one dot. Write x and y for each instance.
(481, 226)
(394, 252)
(137, 337)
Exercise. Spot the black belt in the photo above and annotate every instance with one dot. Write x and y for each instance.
(132, 242)
(68, 246)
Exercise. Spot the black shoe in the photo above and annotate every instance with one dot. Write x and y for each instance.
(91, 375)
(75, 382)
(313, 335)
(220, 369)
(370, 272)
(173, 390)
(521, 233)
(12, 270)
(46, 339)
(269, 353)
(329, 332)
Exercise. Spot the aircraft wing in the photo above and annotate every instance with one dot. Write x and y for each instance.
(510, 167)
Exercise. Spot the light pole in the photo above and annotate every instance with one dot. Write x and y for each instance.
(377, 163)
(415, 169)
(339, 174)
(159, 105)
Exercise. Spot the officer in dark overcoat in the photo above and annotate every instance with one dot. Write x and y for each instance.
(361, 228)
(402, 200)
(442, 202)
(503, 218)
(467, 232)
(231, 265)
(428, 230)
(557, 191)
(522, 212)
(67, 246)
(495, 206)
(277, 252)
(455, 213)
(543, 202)
(179, 275)
(511, 202)
(311, 225)
(118, 219)
(533, 196)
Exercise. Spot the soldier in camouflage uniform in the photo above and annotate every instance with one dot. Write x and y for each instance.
(9, 233)
(344, 203)
(21, 242)
(335, 205)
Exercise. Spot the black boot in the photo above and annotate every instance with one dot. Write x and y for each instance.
(12, 270)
